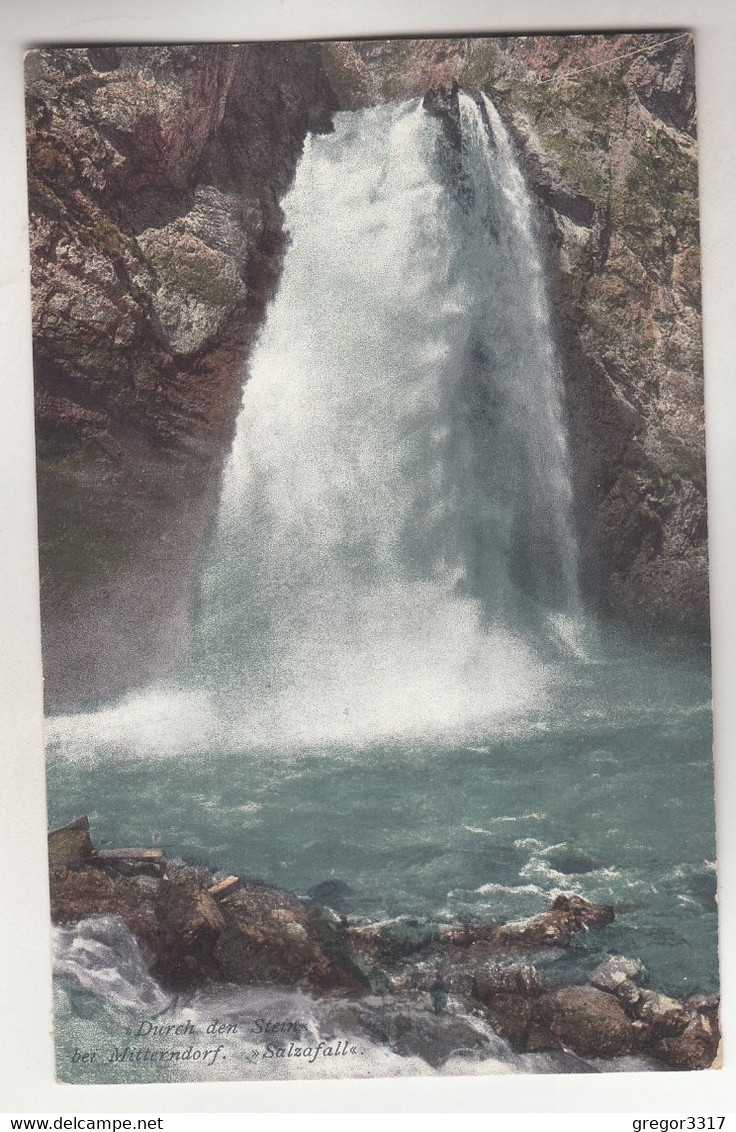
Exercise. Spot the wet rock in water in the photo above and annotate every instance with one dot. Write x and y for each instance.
(223, 887)
(554, 928)
(132, 862)
(582, 913)
(628, 994)
(511, 1016)
(70, 845)
(545, 930)
(442, 102)
(355, 970)
(507, 978)
(190, 924)
(695, 1048)
(703, 1004)
(334, 893)
(398, 938)
(268, 940)
(616, 970)
(587, 1021)
(664, 1016)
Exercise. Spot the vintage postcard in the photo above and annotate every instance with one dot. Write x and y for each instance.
(374, 570)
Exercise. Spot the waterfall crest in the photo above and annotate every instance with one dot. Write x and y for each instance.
(394, 550)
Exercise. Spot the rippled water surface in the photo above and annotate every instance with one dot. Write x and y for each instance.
(609, 794)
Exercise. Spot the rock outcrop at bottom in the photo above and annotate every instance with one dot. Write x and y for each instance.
(586, 1020)
(195, 927)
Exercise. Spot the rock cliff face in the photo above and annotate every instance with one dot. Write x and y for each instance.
(155, 176)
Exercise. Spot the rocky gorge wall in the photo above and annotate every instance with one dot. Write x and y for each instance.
(155, 176)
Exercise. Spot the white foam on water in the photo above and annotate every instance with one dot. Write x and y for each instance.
(101, 956)
(512, 889)
(162, 721)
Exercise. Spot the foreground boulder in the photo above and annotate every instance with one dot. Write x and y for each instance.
(616, 970)
(267, 940)
(664, 1016)
(70, 845)
(507, 978)
(695, 1048)
(189, 927)
(512, 1016)
(586, 1020)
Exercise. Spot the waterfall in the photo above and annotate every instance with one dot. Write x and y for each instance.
(394, 550)
(516, 318)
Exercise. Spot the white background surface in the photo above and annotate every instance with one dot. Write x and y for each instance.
(26, 1067)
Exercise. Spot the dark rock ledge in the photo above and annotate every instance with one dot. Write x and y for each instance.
(196, 926)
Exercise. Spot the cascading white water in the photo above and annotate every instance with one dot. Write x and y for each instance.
(517, 317)
(394, 539)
